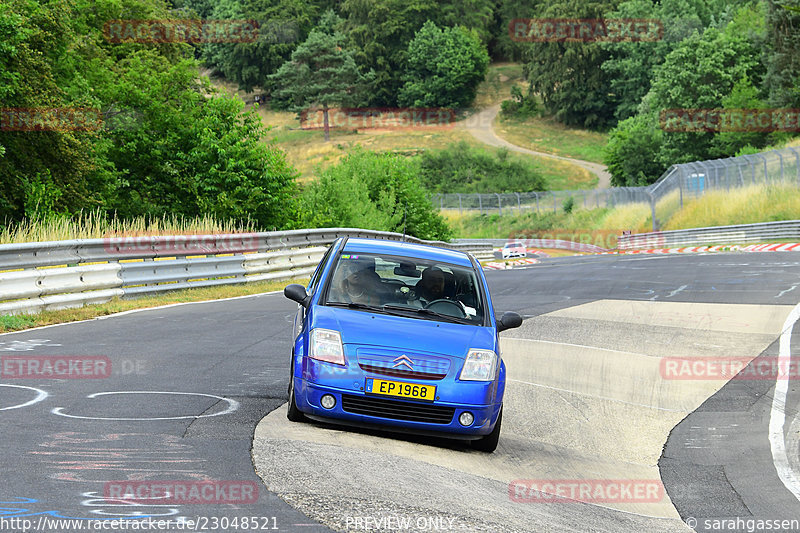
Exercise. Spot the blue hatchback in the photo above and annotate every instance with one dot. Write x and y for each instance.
(402, 337)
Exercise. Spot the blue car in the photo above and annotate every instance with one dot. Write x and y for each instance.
(401, 337)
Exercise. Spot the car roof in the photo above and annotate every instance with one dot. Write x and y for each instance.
(407, 249)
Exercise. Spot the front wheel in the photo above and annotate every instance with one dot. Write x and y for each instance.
(293, 413)
(488, 443)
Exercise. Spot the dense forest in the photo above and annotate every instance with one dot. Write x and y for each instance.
(168, 142)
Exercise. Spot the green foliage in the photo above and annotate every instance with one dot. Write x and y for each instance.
(372, 191)
(567, 75)
(321, 73)
(631, 150)
(444, 68)
(462, 169)
(782, 43)
(631, 65)
(283, 24)
(568, 205)
(700, 73)
(520, 106)
(168, 144)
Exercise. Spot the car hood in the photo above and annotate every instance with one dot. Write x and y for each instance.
(401, 333)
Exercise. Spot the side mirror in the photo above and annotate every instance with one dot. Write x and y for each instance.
(509, 320)
(296, 293)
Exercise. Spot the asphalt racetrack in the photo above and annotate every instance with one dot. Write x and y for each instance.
(606, 390)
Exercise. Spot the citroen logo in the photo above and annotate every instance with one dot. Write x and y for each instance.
(403, 360)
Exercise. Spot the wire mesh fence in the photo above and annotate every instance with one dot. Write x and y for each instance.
(678, 184)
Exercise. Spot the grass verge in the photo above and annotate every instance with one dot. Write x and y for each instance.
(20, 322)
(543, 134)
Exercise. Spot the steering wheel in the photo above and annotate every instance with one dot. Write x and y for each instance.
(447, 305)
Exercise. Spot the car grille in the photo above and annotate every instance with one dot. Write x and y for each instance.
(397, 410)
(400, 373)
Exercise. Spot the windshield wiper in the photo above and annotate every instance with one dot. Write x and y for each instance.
(356, 305)
(428, 312)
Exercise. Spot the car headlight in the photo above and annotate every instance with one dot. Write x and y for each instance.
(326, 345)
(479, 366)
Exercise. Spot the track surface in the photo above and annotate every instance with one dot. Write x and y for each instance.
(236, 351)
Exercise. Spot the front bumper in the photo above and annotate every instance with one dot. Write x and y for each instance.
(308, 396)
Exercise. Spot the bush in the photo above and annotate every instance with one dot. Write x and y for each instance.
(372, 191)
(460, 168)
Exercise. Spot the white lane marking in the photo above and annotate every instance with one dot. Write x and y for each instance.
(105, 317)
(598, 397)
(233, 405)
(778, 414)
(676, 291)
(793, 287)
(40, 395)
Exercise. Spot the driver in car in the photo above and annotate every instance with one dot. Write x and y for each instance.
(431, 286)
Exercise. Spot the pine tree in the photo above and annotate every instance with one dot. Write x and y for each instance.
(322, 73)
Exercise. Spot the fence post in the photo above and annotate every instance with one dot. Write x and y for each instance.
(555, 207)
(781, 158)
(519, 204)
(480, 203)
(459, 203)
(537, 202)
(797, 156)
(653, 211)
(499, 204)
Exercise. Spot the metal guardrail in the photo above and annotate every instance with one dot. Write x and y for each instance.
(72, 273)
(740, 234)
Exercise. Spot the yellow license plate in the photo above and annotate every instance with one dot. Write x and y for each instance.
(401, 390)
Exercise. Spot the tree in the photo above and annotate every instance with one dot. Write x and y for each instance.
(321, 73)
(444, 68)
(631, 152)
(699, 74)
(631, 65)
(782, 80)
(282, 25)
(379, 32)
(567, 75)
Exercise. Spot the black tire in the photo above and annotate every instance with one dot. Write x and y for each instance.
(293, 413)
(488, 443)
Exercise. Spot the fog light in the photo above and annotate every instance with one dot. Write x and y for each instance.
(328, 402)
(466, 418)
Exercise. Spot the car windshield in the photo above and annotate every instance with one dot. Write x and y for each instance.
(416, 288)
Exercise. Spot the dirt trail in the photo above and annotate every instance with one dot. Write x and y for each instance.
(480, 126)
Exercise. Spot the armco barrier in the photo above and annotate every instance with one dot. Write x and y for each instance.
(72, 273)
(739, 234)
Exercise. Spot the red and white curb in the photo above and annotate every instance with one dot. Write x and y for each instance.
(495, 265)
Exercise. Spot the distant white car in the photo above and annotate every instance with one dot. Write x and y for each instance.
(514, 249)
